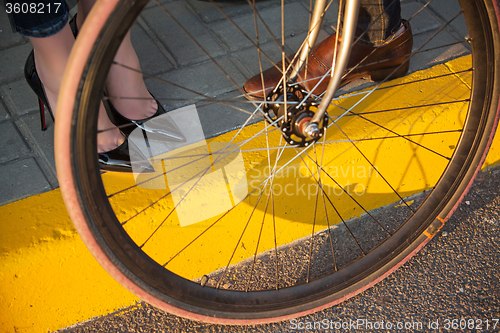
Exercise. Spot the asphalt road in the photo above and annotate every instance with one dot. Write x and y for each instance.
(453, 284)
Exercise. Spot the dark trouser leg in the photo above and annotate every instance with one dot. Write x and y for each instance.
(377, 20)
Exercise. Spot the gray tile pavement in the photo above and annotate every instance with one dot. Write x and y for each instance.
(12, 39)
(3, 112)
(14, 145)
(182, 48)
(17, 96)
(12, 59)
(26, 157)
(22, 178)
(232, 38)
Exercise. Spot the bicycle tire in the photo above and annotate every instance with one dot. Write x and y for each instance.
(96, 220)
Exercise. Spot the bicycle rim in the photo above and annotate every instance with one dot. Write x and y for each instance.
(238, 226)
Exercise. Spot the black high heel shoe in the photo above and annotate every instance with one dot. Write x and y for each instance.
(120, 160)
(166, 128)
(36, 85)
(72, 25)
(117, 159)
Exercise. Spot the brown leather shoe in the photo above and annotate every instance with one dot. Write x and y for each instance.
(381, 61)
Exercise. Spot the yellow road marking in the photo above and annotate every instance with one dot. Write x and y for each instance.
(50, 281)
(237, 235)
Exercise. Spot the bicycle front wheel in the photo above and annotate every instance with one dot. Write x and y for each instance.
(241, 222)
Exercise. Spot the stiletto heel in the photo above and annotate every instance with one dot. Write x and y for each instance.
(42, 115)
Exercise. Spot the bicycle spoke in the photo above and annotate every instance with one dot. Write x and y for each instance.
(254, 217)
(398, 135)
(333, 206)
(359, 115)
(314, 223)
(190, 90)
(255, 44)
(264, 217)
(185, 195)
(258, 240)
(240, 144)
(221, 278)
(390, 75)
(350, 196)
(263, 183)
(407, 108)
(371, 164)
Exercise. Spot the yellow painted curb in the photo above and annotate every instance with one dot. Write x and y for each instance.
(493, 157)
(48, 278)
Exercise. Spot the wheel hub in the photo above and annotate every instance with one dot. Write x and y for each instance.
(294, 118)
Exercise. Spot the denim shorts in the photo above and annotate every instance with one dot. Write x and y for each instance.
(37, 18)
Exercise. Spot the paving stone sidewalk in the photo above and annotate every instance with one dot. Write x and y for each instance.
(27, 165)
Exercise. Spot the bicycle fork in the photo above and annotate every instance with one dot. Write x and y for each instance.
(311, 129)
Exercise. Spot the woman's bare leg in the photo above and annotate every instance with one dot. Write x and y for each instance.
(122, 82)
(51, 56)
